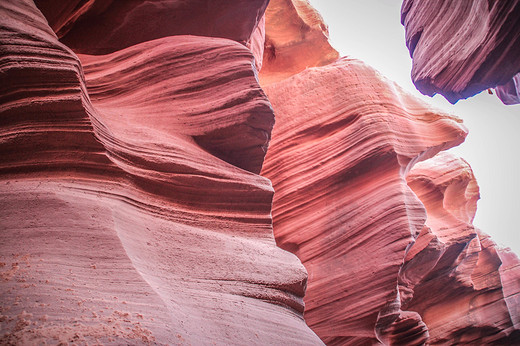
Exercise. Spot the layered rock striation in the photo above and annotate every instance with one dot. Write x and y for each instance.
(101, 27)
(460, 48)
(131, 212)
(454, 275)
(338, 162)
(297, 39)
(132, 208)
(509, 93)
(390, 249)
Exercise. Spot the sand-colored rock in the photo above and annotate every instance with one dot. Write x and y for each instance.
(460, 48)
(343, 142)
(119, 224)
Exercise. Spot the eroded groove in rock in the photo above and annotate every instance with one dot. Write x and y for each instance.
(200, 88)
(44, 107)
(118, 223)
(102, 27)
(460, 48)
(338, 161)
(454, 275)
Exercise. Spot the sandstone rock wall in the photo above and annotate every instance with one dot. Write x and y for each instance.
(454, 275)
(338, 162)
(130, 211)
(388, 242)
(132, 208)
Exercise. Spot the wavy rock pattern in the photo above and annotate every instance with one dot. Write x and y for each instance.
(454, 276)
(101, 26)
(343, 142)
(132, 211)
(121, 220)
(460, 48)
(44, 104)
(234, 122)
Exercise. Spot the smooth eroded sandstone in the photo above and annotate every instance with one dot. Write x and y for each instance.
(296, 38)
(343, 142)
(509, 93)
(121, 220)
(101, 26)
(202, 88)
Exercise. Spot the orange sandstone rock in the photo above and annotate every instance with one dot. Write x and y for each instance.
(296, 38)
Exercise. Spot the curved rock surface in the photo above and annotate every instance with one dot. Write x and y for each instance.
(460, 48)
(233, 122)
(463, 286)
(121, 220)
(344, 140)
(101, 26)
(296, 38)
(132, 211)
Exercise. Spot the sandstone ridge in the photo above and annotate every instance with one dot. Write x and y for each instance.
(212, 172)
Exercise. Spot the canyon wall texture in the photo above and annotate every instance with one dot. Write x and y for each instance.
(460, 48)
(137, 200)
(131, 212)
(388, 242)
(343, 142)
(454, 276)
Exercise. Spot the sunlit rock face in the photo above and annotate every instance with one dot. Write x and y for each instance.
(297, 39)
(132, 211)
(344, 139)
(130, 208)
(464, 287)
(460, 48)
(392, 256)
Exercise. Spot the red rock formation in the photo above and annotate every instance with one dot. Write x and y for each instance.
(460, 48)
(44, 104)
(131, 211)
(234, 122)
(121, 220)
(343, 142)
(462, 285)
(101, 26)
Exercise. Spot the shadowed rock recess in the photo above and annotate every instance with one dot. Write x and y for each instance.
(136, 206)
(460, 48)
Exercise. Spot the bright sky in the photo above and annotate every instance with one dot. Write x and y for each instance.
(371, 30)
